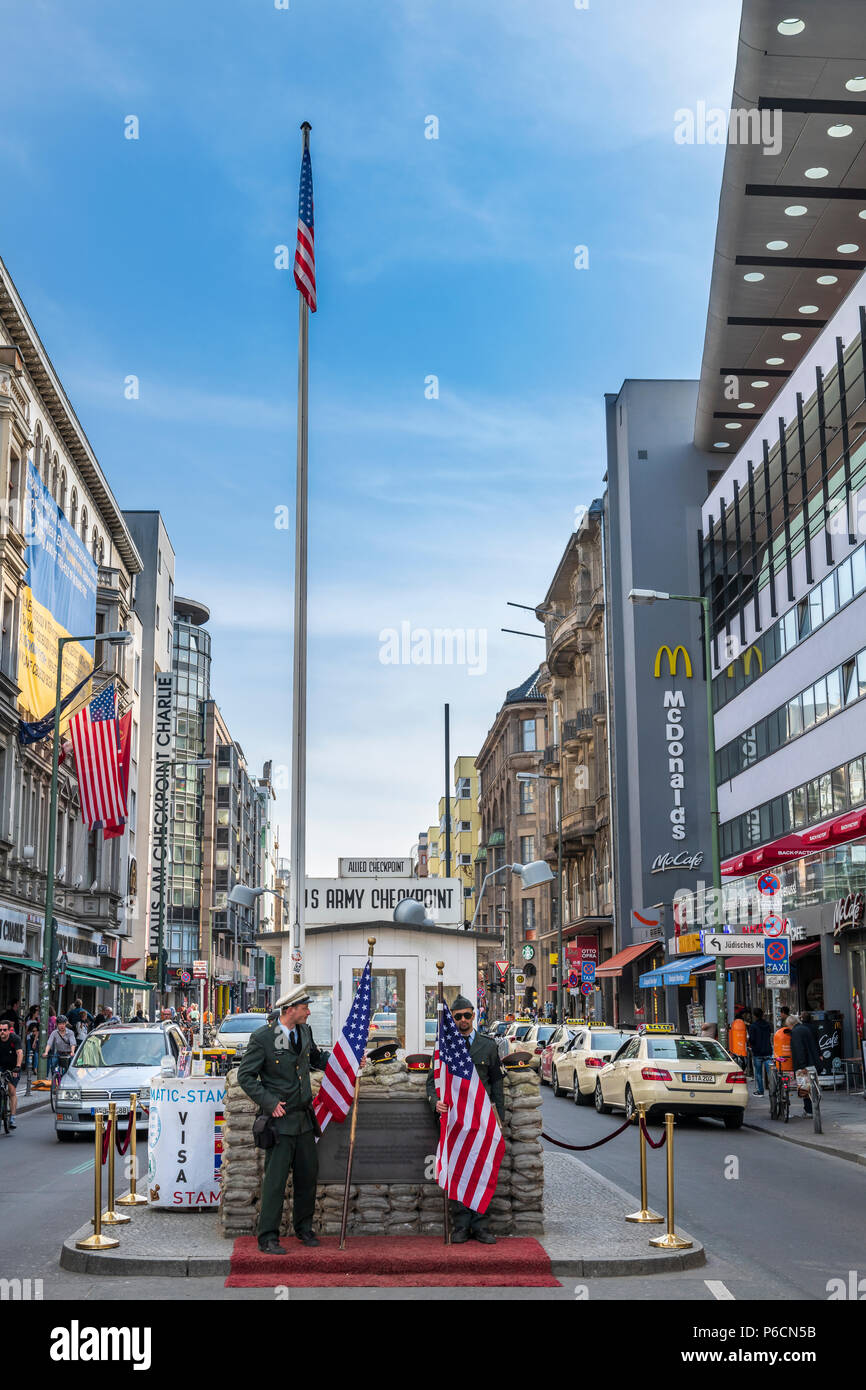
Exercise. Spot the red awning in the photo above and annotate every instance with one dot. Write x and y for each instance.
(614, 966)
(803, 949)
(847, 827)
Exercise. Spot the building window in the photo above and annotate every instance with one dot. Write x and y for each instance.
(527, 736)
(527, 797)
(527, 913)
(157, 617)
(136, 679)
(527, 849)
(159, 561)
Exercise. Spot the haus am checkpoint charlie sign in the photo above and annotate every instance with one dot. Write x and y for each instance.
(343, 901)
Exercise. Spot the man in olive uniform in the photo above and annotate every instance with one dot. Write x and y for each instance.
(275, 1073)
(485, 1058)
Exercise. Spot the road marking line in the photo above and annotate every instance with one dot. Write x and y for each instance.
(83, 1167)
(719, 1290)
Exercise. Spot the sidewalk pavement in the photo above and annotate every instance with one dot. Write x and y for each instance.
(843, 1118)
(585, 1235)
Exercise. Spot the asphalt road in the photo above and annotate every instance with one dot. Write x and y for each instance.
(778, 1219)
(789, 1221)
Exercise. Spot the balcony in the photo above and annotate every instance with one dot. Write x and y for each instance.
(551, 755)
(599, 702)
(573, 729)
(579, 823)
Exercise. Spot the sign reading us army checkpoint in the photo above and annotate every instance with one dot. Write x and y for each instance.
(343, 901)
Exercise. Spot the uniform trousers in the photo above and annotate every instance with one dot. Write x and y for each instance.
(295, 1154)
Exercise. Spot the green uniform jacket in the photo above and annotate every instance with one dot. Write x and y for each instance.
(485, 1059)
(272, 1071)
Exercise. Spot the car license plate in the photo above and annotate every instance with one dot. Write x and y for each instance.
(101, 1107)
(698, 1076)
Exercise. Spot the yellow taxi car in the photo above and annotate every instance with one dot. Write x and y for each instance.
(671, 1071)
(573, 1070)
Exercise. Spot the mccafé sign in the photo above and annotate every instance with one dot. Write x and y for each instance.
(849, 913)
(674, 708)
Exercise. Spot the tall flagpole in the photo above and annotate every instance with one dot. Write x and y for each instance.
(299, 669)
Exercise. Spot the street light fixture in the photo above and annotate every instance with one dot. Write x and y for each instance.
(116, 639)
(648, 596)
(560, 992)
(410, 913)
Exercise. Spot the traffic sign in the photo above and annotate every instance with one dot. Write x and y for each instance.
(718, 944)
(769, 884)
(777, 961)
(573, 979)
(774, 925)
(296, 956)
(587, 971)
(185, 977)
(520, 981)
(528, 952)
(199, 969)
(586, 987)
(503, 966)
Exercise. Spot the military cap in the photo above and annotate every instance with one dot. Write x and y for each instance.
(461, 1002)
(419, 1061)
(515, 1060)
(386, 1053)
(296, 995)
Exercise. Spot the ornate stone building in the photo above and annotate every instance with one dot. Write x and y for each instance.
(573, 683)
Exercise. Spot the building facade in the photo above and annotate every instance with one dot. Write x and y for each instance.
(51, 478)
(516, 816)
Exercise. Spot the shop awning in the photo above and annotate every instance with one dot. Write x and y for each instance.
(83, 976)
(676, 972)
(851, 826)
(22, 962)
(615, 965)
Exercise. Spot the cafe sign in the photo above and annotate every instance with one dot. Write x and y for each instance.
(849, 913)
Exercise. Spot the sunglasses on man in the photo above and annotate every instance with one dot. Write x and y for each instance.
(464, 1013)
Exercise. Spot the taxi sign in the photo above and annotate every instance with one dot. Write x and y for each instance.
(656, 1028)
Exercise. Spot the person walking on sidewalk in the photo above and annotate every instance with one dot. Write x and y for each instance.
(11, 1057)
(804, 1051)
(761, 1045)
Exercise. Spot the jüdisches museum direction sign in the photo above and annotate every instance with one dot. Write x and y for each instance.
(342, 901)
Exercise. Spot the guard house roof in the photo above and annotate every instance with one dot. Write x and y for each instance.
(805, 61)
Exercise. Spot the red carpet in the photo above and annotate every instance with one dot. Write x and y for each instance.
(392, 1262)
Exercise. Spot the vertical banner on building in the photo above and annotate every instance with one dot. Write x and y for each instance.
(163, 755)
(58, 600)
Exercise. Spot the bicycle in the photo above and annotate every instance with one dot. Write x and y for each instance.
(5, 1101)
(59, 1068)
(778, 1084)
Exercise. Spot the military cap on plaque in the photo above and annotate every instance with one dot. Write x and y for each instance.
(296, 995)
(515, 1060)
(461, 1002)
(386, 1053)
(419, 1061)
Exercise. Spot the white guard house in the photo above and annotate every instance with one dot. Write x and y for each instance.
(341, 914)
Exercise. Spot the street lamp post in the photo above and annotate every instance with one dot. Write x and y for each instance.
(530, 875)
(117, 639)
(560, 992)
(242, 896)
(646, 596)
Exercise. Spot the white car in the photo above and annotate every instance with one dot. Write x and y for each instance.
(109, 1065)
(237, 1029)
(667, 1070)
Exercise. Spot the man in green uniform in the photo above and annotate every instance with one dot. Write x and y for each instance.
(275, 1073)
(485, 1059)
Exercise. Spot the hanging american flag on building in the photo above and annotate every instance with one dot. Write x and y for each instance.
(305, 256)
(471, 1146)
(338, 1084)
(96, 745)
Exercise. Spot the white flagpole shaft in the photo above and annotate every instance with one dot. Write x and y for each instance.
(299, 674)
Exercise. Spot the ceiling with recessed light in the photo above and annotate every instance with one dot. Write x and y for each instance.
(791, 236)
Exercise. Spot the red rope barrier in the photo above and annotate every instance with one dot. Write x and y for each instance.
(582, 1148)
(122, 1148)
(653, 1143)
(106, 1141)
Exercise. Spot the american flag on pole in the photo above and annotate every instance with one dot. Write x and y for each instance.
(337, 1090)
(96, 745)
(471, 1146)
(305, 256)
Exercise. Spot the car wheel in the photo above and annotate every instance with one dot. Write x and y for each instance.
(600, 1106)
(579, 1097)
(65, 1136)
(734, 1120)
(630, 1107)
(557, 1089)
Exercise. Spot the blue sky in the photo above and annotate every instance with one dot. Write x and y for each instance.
(450, 257)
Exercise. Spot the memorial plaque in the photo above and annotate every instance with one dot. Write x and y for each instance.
(393, 1141)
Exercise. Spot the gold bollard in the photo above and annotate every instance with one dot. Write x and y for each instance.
(97, 1241)
(670, 1240)
(644, 1215)
(132, 1198)
(111, 1217)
